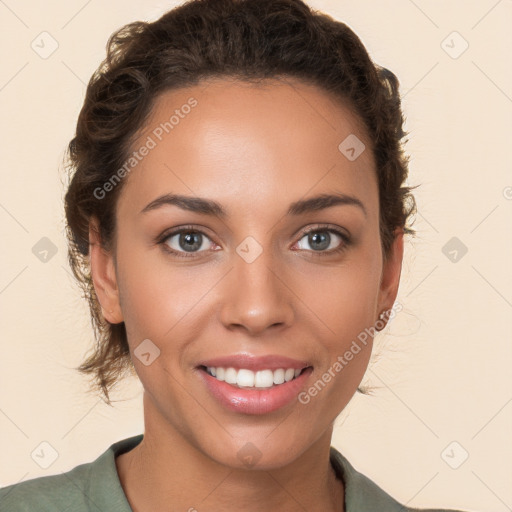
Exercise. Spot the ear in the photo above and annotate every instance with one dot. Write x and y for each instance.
(104, 276)
(390, 279)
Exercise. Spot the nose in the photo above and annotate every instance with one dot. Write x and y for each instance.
(256, 295)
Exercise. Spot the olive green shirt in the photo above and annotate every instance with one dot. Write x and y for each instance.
(95, 487)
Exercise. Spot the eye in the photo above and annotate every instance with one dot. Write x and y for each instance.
(320, 239)
(185, 242)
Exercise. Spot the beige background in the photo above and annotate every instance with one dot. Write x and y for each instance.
(444, 370)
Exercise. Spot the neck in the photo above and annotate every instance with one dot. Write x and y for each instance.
(166, 469)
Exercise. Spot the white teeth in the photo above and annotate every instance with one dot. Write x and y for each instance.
(264, 379)
(249, 379)
(245, 378)
(230, 376)
(289, 374)
(279, 376)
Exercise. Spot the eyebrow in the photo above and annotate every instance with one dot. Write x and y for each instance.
(210, 207)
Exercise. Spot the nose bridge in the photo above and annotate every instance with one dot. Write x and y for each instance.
(256, 297)
(254, 263)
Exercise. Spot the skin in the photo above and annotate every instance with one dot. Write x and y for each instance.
(255, 149)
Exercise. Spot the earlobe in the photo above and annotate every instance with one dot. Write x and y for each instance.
(104, 276)
(390, 279)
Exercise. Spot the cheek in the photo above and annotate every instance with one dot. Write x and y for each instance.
(346, 309)
(150, 297)
(158, 304)
(165, 303)
(345, 296)
(348, 343)
(154, 293)
(346, 300)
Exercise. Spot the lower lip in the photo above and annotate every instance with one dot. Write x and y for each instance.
(255, 401)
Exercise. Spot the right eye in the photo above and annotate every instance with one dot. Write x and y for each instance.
(184, 239)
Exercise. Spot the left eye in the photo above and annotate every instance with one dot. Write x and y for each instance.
(320, 240)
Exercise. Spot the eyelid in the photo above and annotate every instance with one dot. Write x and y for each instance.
(326, 227)
(179, 229)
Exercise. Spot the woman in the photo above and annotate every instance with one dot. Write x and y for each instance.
(236, 218)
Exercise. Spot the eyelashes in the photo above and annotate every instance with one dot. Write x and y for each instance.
(198, 237)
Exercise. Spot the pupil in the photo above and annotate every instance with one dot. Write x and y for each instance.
(191, 238)
(325, 237)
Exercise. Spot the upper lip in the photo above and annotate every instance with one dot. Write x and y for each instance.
(255, 363)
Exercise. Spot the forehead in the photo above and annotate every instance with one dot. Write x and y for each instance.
(249, 145)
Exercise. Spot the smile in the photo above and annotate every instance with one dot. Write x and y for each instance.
(251, 392)
(245, 378)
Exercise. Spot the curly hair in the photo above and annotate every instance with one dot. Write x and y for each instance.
(247, 40)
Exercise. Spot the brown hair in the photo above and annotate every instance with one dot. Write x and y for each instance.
(242, 39)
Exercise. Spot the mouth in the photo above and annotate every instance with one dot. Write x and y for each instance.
(245, 378)
(254, 385)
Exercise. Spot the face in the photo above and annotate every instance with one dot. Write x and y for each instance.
(241, 284)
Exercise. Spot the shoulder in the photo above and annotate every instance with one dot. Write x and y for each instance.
(91, 486)
(364, 495)
(54, 492)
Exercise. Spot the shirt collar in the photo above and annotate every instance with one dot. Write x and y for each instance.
(361, 494)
